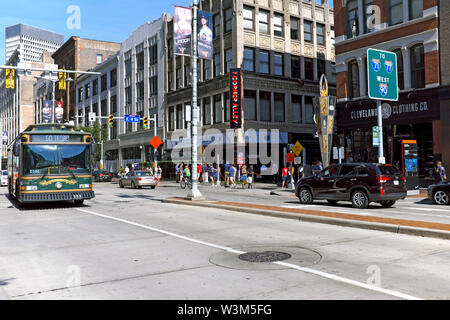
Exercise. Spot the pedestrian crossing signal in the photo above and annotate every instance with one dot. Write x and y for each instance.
(62, 80)
(145, 123)
(111, 120)
(10, 78)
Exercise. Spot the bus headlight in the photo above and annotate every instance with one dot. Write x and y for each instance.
(31, 188)
(58, 185)
(84, 186)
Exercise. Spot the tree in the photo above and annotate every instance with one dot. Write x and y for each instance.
(99, 133)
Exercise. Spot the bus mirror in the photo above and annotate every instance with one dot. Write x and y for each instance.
(16, 149)
(93, 147)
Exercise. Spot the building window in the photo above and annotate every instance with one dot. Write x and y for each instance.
(278, 25)
(179, 117)
(217, 65)
(415, 9)
(320, 34)
(249, 59)
(216, 26)
(248, 14)
(307, 26)
(95, 87)
(228, 60)
(87, 90)
(367, 15)
(103, 108)
(206, 70)
(206, 111)
(265, 109)
(153, 54)
(263, 21)
(249, 105)
(179, 78)
(113, 104)
(417, 67)
(278, 64)
(228, 19)
(295, 67)
(104, 82)
(353, 79)
(321, 67)
(169, 49)
(309, 69)
(295, 34)
(309, 113)
(80, 94)
(227, 106)
(140, 61)
(113, 78)
(264, 62)
(217, 108)
(296, 112)
(400, 69)
(170, 81)
(99, 58)
(140, 91)
(352, 19)
(128, 67)
(279, 107)
(153, 86)
(395, 12)
(128, 95)
(171, 118)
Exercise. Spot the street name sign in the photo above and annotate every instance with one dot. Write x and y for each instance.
(128, 118)
(382, 75)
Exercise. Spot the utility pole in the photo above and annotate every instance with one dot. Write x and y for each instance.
(194, 193)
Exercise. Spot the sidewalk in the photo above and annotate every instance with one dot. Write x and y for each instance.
(401, 226)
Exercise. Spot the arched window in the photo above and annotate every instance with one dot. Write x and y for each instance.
(400, 69)
(353, 79)
(417, 66)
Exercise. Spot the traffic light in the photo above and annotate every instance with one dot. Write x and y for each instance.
(62, 80)
(10, 78)
(111, 120)
(145, 123)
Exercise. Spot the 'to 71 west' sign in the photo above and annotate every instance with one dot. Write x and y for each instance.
(236, 118)
(382, 75)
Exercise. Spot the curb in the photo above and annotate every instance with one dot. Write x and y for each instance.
(377, 226)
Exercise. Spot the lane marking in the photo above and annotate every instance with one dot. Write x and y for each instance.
(289, 265)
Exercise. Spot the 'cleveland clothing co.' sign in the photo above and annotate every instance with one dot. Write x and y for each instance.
(403, 112)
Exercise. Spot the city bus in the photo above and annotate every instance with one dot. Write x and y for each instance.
(51, 162)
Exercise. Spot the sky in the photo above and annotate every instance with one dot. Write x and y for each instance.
(108, 20)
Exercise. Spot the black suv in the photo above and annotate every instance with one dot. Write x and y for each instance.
(359, 183)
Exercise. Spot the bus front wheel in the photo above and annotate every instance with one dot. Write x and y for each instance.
(79, 203)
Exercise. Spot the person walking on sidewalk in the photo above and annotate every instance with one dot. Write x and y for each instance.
(285, 176)
(232, 175)
(244, 177)
(227, 174)
(251, 176)
(212, 174)
(316, 168)
(187, 172)
(440, 170)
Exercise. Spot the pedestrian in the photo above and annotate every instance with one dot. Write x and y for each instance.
(232, 175)
(440, 170)
(158, 172)
(199, 172)
(181, 171)
(250, 177)
(205, 171)
(244, 177)
(317, 167)
(212, 174)
(285, 176)
(227, 174)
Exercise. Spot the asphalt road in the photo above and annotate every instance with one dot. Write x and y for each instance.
(127, 244)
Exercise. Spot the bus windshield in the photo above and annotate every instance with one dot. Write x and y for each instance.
(56, 159)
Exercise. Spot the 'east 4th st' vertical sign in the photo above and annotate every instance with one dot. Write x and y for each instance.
(382, 75)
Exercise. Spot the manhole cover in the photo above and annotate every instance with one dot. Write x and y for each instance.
(266, 256)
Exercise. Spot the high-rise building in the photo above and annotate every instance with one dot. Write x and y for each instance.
(32, 42)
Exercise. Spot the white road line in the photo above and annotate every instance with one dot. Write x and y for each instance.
(289, 265)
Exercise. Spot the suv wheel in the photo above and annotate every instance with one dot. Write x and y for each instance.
(387, 203)
(360, 199)
(441, 197)
(305, 196)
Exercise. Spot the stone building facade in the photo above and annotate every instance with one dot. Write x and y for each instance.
(283, 48)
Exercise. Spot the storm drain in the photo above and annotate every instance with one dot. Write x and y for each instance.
(266, 256)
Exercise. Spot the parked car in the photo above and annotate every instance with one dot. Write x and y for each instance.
(440, 193)
(359, 183)
(102, 176)
(138, 179)
(4, 178)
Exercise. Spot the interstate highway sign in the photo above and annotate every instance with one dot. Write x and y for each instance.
(382, 75)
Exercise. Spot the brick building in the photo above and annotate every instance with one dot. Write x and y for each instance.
(80, 54)
(410, 28)
(282, 46)
(444, 43)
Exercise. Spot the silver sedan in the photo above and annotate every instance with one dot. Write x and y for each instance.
(138, 179)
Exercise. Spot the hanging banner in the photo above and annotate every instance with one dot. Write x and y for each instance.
(205, 35)
(182, 31)
(47, 111)
(236, 118)
(59, 112)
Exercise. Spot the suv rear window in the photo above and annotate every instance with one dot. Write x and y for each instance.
(388, 170)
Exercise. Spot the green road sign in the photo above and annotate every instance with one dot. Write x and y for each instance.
(382, 75)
